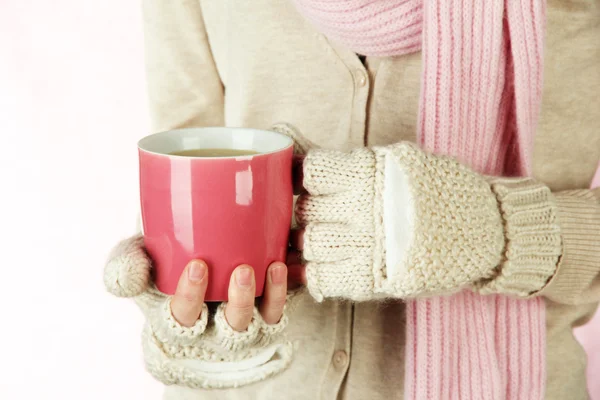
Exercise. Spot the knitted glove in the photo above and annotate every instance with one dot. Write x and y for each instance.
(397, 222)
(209, 354)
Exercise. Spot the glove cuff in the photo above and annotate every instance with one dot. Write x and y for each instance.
(171, 333)
(195, 373)
(533, 240)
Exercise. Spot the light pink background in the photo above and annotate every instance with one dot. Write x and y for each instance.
(72, 106)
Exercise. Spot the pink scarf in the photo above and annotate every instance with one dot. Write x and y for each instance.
(480, 99)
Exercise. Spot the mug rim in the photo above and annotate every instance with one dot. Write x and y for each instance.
(142, 144)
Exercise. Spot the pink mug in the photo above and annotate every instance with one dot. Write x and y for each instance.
(226, 211)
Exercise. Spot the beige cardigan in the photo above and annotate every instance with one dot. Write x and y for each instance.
(255, 63)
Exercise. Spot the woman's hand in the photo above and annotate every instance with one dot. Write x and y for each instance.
(188, 300)
(444, 226)
(184, 343)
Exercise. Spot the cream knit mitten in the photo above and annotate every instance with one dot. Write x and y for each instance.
(398, 222)
(209, 354)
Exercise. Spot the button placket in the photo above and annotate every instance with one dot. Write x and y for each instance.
(340, 359)
(361, 85)
(359, 104)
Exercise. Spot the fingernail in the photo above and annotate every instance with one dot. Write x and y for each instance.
(196, 271)
(278, 274)
(243, 277)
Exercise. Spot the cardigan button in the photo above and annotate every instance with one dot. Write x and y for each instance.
(340, 359)
(361, 78)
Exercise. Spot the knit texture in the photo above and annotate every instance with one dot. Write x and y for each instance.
(479, 331)
(480, 98)
(494, 235)
(343, 241)
(125, 273)
(533, 237)
(374, 28)
(457, 238)
(195, 356)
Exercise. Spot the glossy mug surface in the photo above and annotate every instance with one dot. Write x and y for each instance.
(225, 210)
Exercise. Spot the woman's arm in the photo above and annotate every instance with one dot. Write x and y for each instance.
(184, 88)
(398, 222)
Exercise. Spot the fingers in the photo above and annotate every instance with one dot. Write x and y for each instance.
(335, 242)
(188, 300)
(330, 171)
(239, 324)
(271, 307)
(343, 207)
(240, 306)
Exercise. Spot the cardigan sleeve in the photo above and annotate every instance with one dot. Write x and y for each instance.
(184, 87)
(577, 278)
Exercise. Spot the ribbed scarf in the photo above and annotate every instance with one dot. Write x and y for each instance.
(480, 100)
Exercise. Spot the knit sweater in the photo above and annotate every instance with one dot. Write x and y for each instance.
(358, 352)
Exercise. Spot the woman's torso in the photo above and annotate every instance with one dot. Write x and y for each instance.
(276, 68)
